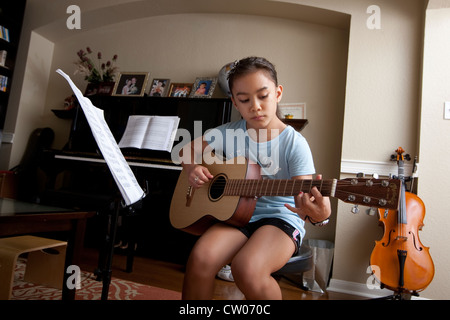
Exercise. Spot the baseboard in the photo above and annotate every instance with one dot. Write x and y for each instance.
(360, 289)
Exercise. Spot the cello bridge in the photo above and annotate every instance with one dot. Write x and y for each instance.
(402, 238)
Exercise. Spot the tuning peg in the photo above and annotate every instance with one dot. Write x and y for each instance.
(355, 209)
(360, 175)
(375, 176)
(371, 211)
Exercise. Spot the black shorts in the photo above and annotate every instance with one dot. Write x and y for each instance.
(292, 232)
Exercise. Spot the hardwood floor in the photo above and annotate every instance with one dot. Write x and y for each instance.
(170, 276)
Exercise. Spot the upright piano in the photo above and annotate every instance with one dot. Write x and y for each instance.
(79, 176)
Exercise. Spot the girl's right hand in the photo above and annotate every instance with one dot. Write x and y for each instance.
(197, 175)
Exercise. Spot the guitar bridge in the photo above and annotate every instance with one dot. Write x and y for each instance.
(189, 196)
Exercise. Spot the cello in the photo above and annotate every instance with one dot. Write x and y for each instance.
(399, 260)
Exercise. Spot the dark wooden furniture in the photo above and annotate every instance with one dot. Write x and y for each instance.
(19, 218)
(297, 124)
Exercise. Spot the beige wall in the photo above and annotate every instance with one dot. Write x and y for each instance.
(362, 87)
(435, 148)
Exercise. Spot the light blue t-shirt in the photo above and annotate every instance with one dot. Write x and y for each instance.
(283, 157)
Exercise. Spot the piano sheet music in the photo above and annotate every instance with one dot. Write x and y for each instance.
(120, 170)
(150, 132)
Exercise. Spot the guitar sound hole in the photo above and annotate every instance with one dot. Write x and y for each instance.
(217, 187)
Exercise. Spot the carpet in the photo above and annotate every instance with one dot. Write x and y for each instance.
(91, 289)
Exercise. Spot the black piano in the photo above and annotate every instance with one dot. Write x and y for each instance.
(79, 177)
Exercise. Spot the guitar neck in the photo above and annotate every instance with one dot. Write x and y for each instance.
(275, 187)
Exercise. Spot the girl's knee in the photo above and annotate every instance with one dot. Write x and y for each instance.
(202, 261)
(254, 282)
(243, 270)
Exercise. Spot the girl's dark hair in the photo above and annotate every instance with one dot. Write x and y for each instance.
(250, 65)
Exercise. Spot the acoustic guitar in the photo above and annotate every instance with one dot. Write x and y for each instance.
(231, 195)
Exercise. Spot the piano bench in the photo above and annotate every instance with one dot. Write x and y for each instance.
(44, 266)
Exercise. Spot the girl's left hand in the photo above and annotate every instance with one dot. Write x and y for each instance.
(312, 205)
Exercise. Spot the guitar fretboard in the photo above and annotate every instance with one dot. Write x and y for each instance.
(277, 187)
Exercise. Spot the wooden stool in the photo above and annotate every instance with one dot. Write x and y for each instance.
(44, 267)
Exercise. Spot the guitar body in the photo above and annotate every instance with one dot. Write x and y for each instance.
(206, 207)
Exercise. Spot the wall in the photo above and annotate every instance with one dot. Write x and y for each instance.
(435, 148)
(381, 113)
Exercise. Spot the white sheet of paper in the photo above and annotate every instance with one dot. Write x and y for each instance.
(120, 170)
(150, 132)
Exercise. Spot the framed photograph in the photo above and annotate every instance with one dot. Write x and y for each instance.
(180, 90)
(131, 84)
(203, 87)
(91, 89)
(293, 110)
(106, 88)
(159, 87)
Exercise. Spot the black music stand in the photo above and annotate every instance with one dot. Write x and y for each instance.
(104, 274)
(113, 156)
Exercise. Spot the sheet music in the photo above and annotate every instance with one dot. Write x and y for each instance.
(120, 170)
(150, 132)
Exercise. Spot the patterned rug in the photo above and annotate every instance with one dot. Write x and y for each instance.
(91, 289)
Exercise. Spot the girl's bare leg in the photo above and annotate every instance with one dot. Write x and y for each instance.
(214, 249)
(267, 250)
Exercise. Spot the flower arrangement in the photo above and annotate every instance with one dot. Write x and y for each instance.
(95, 73)
(289, 116)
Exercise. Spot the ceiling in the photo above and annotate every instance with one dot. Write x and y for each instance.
(50, 21)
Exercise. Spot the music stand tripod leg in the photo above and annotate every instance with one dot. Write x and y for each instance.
(106, 273)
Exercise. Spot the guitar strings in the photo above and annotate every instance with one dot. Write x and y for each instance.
(254, 187)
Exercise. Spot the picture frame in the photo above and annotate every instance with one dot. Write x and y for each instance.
(180, 89)
(293, 110)
(203, 87)
(135, 81)
(91, 89)
(159, 87)
(106, 88)
(100, 89)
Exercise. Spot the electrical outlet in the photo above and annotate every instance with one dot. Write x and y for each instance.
(8, 137)
(447, 110)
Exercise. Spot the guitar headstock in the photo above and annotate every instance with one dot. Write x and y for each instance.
(379, 193)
